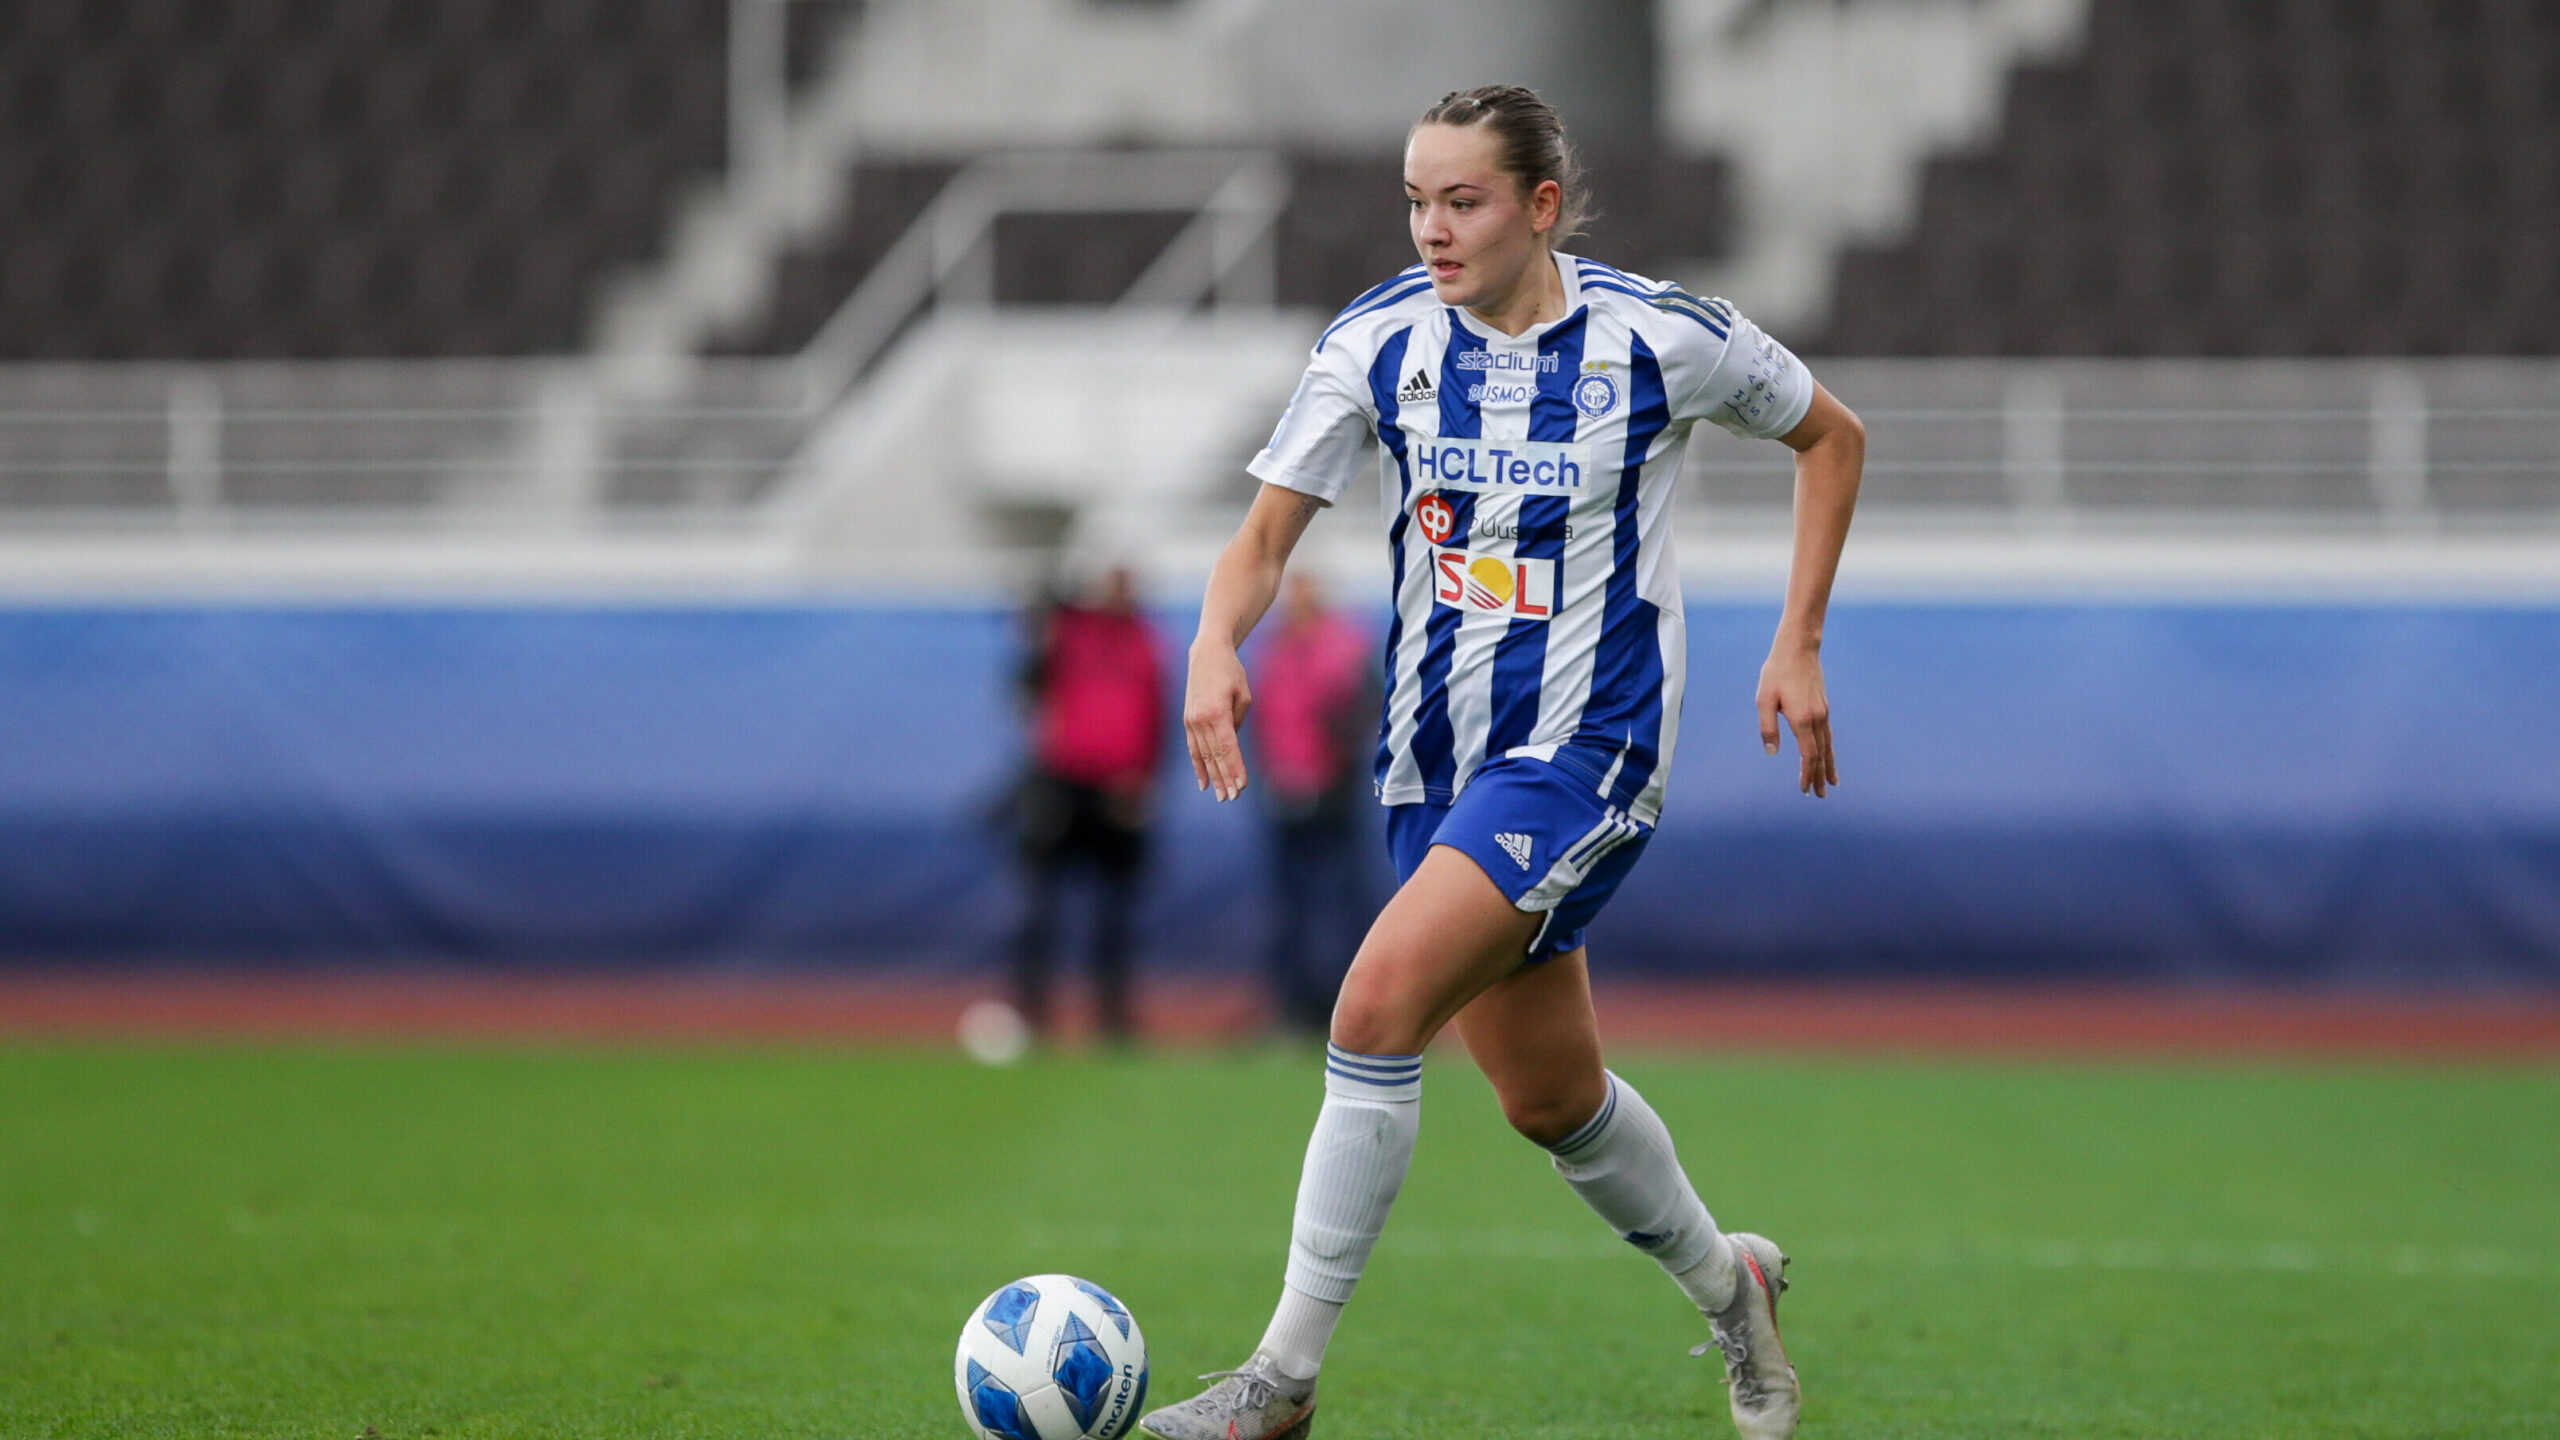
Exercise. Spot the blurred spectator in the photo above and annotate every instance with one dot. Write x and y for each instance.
(1314, 708)
(1097, 706)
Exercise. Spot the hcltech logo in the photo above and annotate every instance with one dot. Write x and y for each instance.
(1498, 465)
(1418, 390)
(1595, 395)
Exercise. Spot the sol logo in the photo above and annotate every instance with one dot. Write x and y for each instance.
(1437, 517)
(1491, 585)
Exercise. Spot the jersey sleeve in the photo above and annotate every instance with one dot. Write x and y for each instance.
(1756, 388)
(1322, 439)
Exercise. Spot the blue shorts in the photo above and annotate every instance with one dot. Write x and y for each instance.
(1541, 829)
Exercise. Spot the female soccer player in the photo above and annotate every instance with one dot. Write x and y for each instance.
(1532, 408)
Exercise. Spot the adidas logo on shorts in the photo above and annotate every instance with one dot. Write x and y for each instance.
(1417, 389)
(1515, 846)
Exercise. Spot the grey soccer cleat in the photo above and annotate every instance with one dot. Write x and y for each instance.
(1766, 1396)
(1255, 1402)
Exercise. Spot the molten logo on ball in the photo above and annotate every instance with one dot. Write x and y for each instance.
(1051, 1358)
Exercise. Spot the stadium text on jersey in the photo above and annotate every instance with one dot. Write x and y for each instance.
(1544, 363)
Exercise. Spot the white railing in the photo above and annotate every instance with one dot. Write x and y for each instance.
(2080, 443)
(211, 445)
(2402, 444)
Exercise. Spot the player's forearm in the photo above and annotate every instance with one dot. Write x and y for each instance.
(1241, 588)
(1246, 578)
(1827, 476)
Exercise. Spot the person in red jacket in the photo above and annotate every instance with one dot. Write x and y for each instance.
(1095, 683)
(1315, 712)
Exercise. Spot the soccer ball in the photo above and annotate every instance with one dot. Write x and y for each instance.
(1051, 1358)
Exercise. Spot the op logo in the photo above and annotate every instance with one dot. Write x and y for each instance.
(1595, 395)
(1437, 517)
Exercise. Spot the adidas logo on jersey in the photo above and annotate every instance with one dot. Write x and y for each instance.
(1418, 389)
(1515, 846)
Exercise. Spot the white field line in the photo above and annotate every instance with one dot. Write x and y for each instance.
(2273, 1258)
(1580, 1244)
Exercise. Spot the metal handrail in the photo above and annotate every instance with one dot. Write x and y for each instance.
(945, 254)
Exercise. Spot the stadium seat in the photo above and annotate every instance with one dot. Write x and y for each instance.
(318, 178)
(2278, 177)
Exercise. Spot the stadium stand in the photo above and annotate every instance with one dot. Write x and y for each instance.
(220, 179)
(271, 179)
(2267, 177)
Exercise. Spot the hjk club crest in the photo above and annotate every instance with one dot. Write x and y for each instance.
(1595, 395)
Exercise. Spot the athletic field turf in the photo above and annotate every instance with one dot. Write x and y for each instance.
(207, 1241)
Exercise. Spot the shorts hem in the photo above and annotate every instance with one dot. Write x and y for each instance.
(1519, 902)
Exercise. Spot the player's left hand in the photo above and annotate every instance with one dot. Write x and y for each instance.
(1215, 701)
(1791, 685)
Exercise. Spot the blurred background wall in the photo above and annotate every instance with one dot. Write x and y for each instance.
(543, 482)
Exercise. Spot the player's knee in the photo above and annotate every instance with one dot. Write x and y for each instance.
(1371, 1018)
(1545, 1114)
(1366, 1028)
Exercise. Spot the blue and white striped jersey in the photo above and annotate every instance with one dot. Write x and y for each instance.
(1528, 483)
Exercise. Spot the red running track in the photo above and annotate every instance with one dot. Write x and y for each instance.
(828, 1009)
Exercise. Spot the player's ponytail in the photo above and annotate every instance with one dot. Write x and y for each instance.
(1529, 145)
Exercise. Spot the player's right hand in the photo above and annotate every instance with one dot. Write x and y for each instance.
(1214, 702)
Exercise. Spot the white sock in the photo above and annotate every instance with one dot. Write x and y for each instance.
(1301, 1326)
(1623, 1166)
(1356, 1160)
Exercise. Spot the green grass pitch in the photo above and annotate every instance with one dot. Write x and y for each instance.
(209, 1242)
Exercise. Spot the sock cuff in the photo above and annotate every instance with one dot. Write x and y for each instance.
(1355, 1076)
(1587, 1139)
(1301, 1327)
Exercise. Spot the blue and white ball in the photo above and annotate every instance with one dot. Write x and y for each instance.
(1051, 1358)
